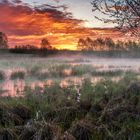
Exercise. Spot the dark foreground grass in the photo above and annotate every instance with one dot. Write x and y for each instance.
(105, 111)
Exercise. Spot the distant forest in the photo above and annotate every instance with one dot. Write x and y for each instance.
(107, 44)
(84, 45)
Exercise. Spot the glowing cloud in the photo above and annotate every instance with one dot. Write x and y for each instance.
(27, 25)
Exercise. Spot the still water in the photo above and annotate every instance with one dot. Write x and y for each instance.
(16, 87)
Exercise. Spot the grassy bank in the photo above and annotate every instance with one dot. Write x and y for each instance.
(43, 72)
(103, 111)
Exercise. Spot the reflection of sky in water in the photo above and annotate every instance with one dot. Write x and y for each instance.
(16, 88)
(12, 88)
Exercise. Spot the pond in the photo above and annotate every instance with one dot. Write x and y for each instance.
(9, 87)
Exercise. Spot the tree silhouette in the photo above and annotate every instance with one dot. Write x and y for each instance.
(81, 44)
(3, 41)
(109, 43)
(90, 43)
(126, 13)
(45, 44)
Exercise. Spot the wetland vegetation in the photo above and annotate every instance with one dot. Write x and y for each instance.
(75, 99)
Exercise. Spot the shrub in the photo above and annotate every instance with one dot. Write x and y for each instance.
(34, 71)
(58, 70)
(82, 69)
(107, 73)
(2, 75)
(18, 75)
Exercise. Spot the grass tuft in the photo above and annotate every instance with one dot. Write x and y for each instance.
(2, 76)
(17, 75)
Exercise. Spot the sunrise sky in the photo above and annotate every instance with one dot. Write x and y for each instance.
(62, 22)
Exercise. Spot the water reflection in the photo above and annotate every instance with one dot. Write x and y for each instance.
(12, 88)
(16, 87)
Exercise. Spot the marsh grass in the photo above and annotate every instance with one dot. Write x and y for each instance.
(112, 111)
(33, 71)
(41, 72)
(79, 70)
(51, 71)
(57, 70)
(2, 76)
(17, 75)
(2, 91)
(109, 73)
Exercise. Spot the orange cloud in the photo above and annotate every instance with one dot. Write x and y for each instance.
(27, 25)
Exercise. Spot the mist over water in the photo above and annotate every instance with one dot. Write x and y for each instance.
(16, 87)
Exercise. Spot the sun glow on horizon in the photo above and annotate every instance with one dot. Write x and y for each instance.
(25, 25)
(66, 47)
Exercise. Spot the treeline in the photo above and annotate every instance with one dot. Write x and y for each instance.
(107, 44)
(44, 49)
(3, 41)
(30, 49)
